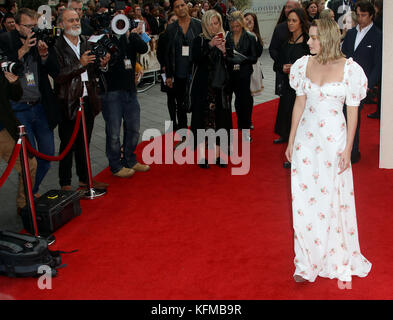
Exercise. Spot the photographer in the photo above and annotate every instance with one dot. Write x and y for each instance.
(77, 78)
(120, 103)
(77, 5)
(10, 89)
(36, 109)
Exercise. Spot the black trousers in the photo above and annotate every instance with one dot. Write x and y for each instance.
(172, 107)
(180, 86)
(240, 85)
(66, 127)
(379, 98)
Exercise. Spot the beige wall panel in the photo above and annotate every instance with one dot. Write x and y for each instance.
(386, 139)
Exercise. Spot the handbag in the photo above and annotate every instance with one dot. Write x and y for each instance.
(256, 84)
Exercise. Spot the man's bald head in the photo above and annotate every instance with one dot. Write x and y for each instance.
(291, 4)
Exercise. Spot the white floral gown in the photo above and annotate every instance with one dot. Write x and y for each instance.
(323, 204)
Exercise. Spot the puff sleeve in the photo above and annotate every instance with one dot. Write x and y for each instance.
(297, 75)
(356, 84)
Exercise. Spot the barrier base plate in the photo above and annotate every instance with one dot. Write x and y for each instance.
(93, 193)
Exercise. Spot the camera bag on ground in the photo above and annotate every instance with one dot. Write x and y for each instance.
(21, 255)
(53, 209)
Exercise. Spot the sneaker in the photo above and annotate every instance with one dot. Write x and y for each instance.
(141, 167)
(124, 173)
(66, 188)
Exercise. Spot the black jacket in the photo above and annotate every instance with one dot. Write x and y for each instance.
(368, 54)
(9, 92)
(280, 36)
(248, 47)
(10, 43)
(162, 44)
(176, 36)
(68, 82)
(117, 77)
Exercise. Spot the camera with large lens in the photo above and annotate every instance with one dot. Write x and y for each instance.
(102, 47)
(13, 67)
(46, 35)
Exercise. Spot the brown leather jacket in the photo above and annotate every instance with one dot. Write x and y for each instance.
(68, 83)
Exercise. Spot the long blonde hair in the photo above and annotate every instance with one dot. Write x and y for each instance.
(239, 17)
(329, 37)
(206, 23)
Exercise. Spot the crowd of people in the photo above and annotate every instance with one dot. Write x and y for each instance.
(208, 52)
(63, 70)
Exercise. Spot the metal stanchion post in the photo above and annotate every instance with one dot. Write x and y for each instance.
(28, 187)
(91, 193)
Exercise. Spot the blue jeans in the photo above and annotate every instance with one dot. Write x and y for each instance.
(39, 134)
(118, 106)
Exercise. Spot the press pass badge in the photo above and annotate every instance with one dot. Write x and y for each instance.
(185, 51)
(127, 64)
(30, 79)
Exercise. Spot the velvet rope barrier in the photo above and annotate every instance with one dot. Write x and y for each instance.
(11, 163)
(66, 150)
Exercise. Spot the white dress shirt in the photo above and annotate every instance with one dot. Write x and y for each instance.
(361, 34)
(76, 49)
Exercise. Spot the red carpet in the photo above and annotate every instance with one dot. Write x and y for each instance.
(180, 232)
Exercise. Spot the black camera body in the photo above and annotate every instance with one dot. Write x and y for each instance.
(102, 47)
(46, 35)
(133, 24)
(13, 67)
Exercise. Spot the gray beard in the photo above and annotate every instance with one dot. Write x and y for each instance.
(73, 33)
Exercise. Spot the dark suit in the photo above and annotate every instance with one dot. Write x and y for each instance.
(280, 36)
(368, 55)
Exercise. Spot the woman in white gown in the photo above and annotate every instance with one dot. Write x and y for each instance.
(319, 149)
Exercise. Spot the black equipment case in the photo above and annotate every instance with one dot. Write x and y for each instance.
(53, 209)
(21, 255)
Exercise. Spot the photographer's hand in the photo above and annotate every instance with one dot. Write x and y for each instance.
(10, 77)
(138, 29)
(27, 44)
(86, 58)
(169, 82)
(105, 60)
(42, 49)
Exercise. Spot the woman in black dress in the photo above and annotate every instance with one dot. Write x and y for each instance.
(209, 95)
(291, 50)
(243, 53)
